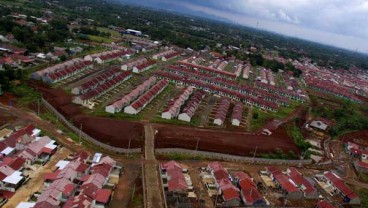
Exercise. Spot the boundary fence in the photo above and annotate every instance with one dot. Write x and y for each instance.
(86, 136)
(232, 158)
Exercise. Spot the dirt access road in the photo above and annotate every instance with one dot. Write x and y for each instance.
(152, 181)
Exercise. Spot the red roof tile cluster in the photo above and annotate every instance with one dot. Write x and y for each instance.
(229, 191)
(149, 95)
(324, 204)
(17, 136)
(249, 189)
(13, 49)
(193, 103)
(224, 91)
(332, 88)
(222, 66)
(238, 70)
(173, 107)
(134, 94)
(164, 53)
(135, 62)
(363, 164)
(142, 67)
(176, 180)
(100, 79)
(246, 71)
(222, 109)
(263, 74)
(339, 184)
(90, 190)
(270, 77)
(228, 84)
(13, 162)
(279, 91)
(300, 181)
(108, 85)
(113, 55)
(171, 55)
(64, 72)
(282, 180)
(215, 64)
(209, 70)
(238, 111)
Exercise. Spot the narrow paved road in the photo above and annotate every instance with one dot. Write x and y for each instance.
(152, 183)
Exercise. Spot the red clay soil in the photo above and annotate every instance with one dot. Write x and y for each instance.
(7, 98)
(111, 131)
(228, 142)
(273, 124)
(358, 137)
(116, 133)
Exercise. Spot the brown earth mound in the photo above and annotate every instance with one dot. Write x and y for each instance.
(7, 99)
(358, 137)
(111, 131)
(228, 142)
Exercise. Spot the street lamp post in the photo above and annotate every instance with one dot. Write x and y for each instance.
(129, 146)
(80, 133)
(196, 147)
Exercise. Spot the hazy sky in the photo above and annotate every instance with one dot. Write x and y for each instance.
(341, 23)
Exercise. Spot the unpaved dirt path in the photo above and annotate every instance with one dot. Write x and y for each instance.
(152, 183)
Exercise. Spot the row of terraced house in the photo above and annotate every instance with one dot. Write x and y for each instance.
(22, 150)
(80, 180)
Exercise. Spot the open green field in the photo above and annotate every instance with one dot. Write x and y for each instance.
(114, 34)
(263, 116)
(100, 39)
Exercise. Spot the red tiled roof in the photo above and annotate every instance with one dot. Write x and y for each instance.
(13, 139)
(240, 175)
(52, 176)
(2, 146)
(78, 201)
(229, 191)
(81, 155)
(16, 163)
(299, 180)
(340, 185)
(103, 169)
(103, 196)
(363, 164)
(68, 189)
(324, 204)
(46, 150)
(252, 194)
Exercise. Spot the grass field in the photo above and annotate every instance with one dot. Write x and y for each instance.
(263, 116)
(114, 34)
(100, 39)
(25, 95)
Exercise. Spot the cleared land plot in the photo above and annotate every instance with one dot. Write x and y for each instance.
(109, 131)
(228, 142)
(100, 39)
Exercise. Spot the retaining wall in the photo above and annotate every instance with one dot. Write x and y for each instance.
(233, 158)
